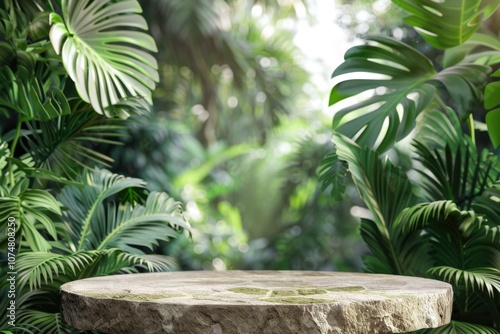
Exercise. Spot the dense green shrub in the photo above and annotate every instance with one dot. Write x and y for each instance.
(71, 73)
(439, 216)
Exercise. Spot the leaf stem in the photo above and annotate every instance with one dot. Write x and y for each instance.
(470, 122)
(441, 102)
(13, 150)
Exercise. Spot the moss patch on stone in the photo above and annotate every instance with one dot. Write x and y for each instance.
(283, 293)
(311, 291)
(295, 300)
(141, 297)
(250, 291)
(346, 289)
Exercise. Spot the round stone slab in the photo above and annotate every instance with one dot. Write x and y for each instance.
(256, 302)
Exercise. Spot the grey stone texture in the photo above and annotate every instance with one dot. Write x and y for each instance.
(256, 302)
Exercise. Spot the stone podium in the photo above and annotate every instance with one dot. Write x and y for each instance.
(256, 302)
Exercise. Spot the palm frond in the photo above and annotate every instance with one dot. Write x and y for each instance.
(457, 327)
(129, 226)
(384, 258)
(332, 174)
(113, 260)
(104, 51)
(462, 18)
(418, 216)
(41, 268)
(454, 169)
(66, 145)
(30, 208)
(384, 188)
(151, 262)
(485, 280)
(386, 191)
(87, 203)
(487, 203)
(438, 129)
(42, 322)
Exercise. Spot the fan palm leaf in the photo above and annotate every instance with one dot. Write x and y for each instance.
(104, 51)
(462, 18)
(406, 87)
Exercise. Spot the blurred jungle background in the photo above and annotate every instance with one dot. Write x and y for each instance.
(239, 129)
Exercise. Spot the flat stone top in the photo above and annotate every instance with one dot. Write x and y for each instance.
(243, 301)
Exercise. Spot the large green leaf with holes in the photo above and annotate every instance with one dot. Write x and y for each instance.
(105, 51)
(389, 84)
(449, 23)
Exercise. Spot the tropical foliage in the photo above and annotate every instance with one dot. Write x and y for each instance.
(233, 127)
(438, 215)
(71, 73)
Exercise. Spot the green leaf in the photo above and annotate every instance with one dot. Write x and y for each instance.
(103, 48)
(386, 108)
(449, 23)
(464, 52)
(384, 188)
(130, 226)
(493, 123)
(38, 268)
(332, 174)
(418, 216)
(478, 279)
(87, 203)
(457, 327)
(27, 95)
(30, 208)
(68, 144)
(386, 191)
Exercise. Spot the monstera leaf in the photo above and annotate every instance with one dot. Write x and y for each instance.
(104, 51)
(406, 85)
(449, 23)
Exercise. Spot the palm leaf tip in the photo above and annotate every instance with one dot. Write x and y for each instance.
(104, 48)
